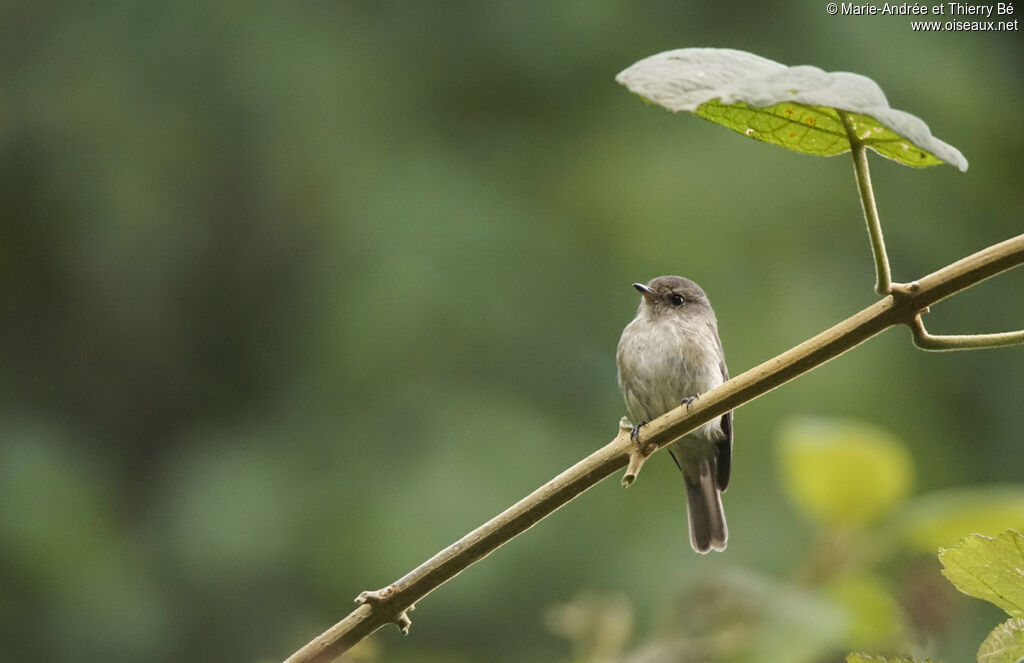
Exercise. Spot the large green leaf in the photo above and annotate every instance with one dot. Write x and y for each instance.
(989, 569)
(1005, 644)
(798, 108)
(941, 518)
(843, 472)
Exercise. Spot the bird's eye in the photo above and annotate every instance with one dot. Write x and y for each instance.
(677, 300)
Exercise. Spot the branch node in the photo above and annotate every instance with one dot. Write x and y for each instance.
(376, 596)
(379, 597)
(898, 290)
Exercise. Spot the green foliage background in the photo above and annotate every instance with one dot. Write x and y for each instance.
(294, 294)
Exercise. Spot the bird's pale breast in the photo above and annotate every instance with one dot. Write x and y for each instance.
(661, 362)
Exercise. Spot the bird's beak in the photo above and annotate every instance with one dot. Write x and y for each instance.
(645, 291)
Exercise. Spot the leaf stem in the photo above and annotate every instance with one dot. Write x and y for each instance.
(883, 276)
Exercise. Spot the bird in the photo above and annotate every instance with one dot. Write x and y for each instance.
(669, 354)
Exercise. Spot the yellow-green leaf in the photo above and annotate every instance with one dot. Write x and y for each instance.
(843, 472)
(1005, 644)
(941, 518)
(794, 107)
(865, 658)
(989, 569)
(874, 615)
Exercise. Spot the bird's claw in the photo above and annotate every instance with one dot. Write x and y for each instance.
(634, 432)
(689, 399)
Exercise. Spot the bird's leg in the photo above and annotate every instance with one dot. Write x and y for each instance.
(689, 399)
(634, 432)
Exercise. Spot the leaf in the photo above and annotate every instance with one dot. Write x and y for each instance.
(874, 615)
(794, 107)
(989, 569)
(843, 472)
(942, 518)
(865, 658)
(1005, 644)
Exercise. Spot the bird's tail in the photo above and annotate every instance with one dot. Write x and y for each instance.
(708, 530)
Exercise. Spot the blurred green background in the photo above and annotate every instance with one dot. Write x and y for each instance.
(292, 295)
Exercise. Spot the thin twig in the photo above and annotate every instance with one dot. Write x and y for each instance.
(902, 306)
(946, 342)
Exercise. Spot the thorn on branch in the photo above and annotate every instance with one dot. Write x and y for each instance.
(402, 621)
(378, 599)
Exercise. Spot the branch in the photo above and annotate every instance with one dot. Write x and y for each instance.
(902, 306)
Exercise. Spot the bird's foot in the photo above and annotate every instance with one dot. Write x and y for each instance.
(634, 432)
(689, 399)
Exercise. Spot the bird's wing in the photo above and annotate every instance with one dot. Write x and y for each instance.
(723, 461)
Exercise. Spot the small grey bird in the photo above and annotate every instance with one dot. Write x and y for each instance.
(670, 354)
